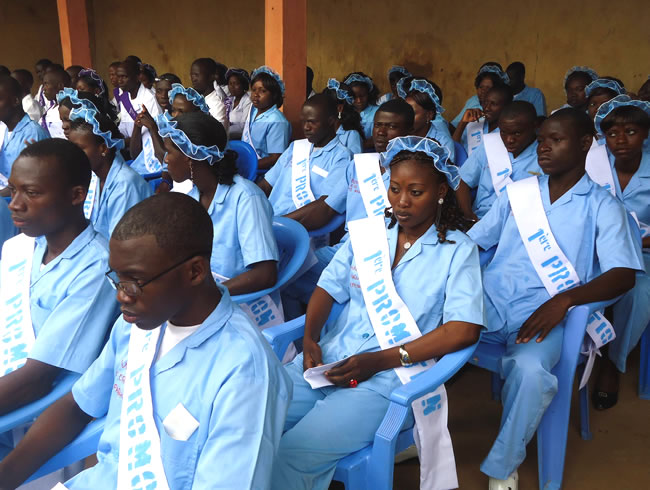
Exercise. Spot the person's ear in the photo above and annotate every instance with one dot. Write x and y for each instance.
(199, 269)
(103, 149)
(585, 142)
(431, 115)
(443, 189)
(78, 195)
(331, 121)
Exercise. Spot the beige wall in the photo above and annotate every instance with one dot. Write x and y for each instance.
(445, 40)
(29, 31)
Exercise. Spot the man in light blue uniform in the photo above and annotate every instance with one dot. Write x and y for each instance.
(517, 128)
(71, 303)
(517, 73)
(7, 228)
(521, 314)
(328, 163)
(326, 424)
(17, 129)
(238, 404)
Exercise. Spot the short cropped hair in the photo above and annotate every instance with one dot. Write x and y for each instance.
(504, 90)
(400, 107)
(72, 162)
(580, 120)
(180, 225)
(323, 103)
(11, 85)
(519, 108)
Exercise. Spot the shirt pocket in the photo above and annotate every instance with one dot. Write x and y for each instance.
(179, 458)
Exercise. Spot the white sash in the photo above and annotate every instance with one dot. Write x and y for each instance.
(394, 325)
(91, 197)
(3, 181)
(645, 229)
(3, 133)
(246, 133)
(300, 187)
(17, 332)
(140, 462)
(598, 167)
(474, 131)
(151, 163)
(548, 259)
(371, 183)
(498, 161)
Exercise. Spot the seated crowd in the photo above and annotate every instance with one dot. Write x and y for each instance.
(136, 286)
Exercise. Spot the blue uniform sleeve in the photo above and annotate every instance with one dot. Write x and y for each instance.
(93, 390)
(540, 103)
(73, 333)
(274, 172)
(464, 289)
(487, 232)
(255, 230)
(471, 170)
(336, 186)
(354, 143)
(616, 245)
(335, 279)
(277, 136)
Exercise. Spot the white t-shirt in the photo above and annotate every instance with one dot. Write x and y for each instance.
(172, 336)
(217, 108)
(238, 116)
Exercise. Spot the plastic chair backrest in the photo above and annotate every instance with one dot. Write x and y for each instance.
(293, 245)
(461, 154)
(8, 199)
(246, 159)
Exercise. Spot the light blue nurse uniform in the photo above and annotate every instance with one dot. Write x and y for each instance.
(25, 131)
(535, 97)
(368, 119)
(599, 241)
(351, 139)
(326, 424)
(327, 165)
(225, 375)
(632, 311)
(475, 172)
(242, 220)
(124, 188)
(269, 131)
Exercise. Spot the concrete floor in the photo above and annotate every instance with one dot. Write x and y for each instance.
(618, 457)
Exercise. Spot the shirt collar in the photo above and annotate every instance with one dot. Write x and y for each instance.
(325, 149)
(527, 153)
(430, 237)
(264, 115)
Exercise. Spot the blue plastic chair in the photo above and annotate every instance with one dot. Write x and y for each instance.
(552, 431)
(372, 466)
(154, 179)
(8, 199)
(293, 245)
(461, 154)
(246, 159)
(644, 367)
(336, 222)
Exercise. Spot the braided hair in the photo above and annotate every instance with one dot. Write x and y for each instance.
(450, 216)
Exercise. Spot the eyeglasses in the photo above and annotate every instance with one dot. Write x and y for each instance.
(133, 288)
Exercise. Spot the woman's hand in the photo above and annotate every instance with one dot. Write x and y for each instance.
(472, 115)
(360, 368)
(312, 355)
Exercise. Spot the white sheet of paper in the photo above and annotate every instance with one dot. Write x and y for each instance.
(180, 424)
(316, 376)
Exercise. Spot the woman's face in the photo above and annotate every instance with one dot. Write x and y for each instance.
(181, 105)
(178, 164)
(261, 98)
(422, 117)
(483, 88)
(625, 140)
(162, 93)
(360, 94)
(64, 114)
(413, 194)
(594, 102)
(235, 86)
(86, 140)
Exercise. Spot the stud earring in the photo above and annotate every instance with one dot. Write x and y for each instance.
(104, 154)
(441, 200)
(340, 115)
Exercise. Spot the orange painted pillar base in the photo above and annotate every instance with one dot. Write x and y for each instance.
(285, 50)
(73, 25)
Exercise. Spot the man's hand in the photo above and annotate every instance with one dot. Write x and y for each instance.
(360, 368)
(545, 318)
(312, 355)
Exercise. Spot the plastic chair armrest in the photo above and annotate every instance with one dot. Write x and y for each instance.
(281, 336)
(29, 412)
(428, 381)
(84, 445)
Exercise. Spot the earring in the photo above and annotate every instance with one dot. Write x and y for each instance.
(191, 172)
(340, 115)
(104, 154)
(439, 212)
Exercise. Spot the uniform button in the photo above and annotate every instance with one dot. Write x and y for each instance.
(366, 335)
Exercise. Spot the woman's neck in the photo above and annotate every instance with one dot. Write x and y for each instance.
(629, 165)
(262, 111)
(423, 131)
(236, 101)
(102, 170)
(205, 181)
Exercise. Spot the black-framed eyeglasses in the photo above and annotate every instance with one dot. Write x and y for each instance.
(132, 288)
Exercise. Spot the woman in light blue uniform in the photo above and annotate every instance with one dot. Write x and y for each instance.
(244, 251)
(625, 124)
(266, 129)
(421, 94)
(575, 83)
(349, 130)
(119, 186)
(395, 74)
(324, 425)
(364, 93)
(489, 75)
